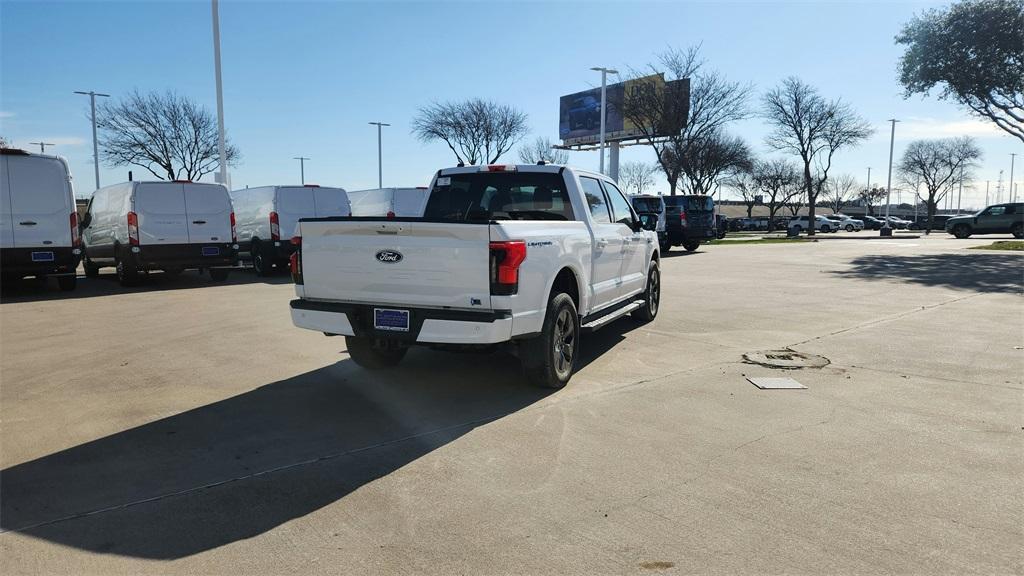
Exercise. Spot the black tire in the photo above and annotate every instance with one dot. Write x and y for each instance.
(849, 228)
(91, 270)
(798, 229)
(826, 229)
(665, 247)
(259, 260)
(219, 274)
(1017, 230)
(67, 283)
(363, 352)
(127, 274)
(691, 245)
(550, 359)
(962, 231)
(652, 295)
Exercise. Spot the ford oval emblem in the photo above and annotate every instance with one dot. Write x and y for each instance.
(389, 256)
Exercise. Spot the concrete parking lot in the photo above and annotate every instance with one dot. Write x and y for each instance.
(187, 427)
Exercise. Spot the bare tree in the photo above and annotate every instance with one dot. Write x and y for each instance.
(680, 117)
(797, 201)
(839, 191)
(168, 135)
(870, 196)
(636, 177)
(804, 123)
(778, 181)
(4, 142)
(938, 164)
(744, 183)
(711, 157)
(475, 130)
(541, 149)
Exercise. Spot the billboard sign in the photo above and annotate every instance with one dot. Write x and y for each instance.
(579, 114)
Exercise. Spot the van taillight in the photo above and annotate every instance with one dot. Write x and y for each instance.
(275, 227)
(76, 238)
(234, 236)
(506, 257)
(133, 229)
(295, 260)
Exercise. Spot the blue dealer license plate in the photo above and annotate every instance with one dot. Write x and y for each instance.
(391, 320)
(211, 251)
(42, 256)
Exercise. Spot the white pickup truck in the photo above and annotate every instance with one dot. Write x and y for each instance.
(532, 255)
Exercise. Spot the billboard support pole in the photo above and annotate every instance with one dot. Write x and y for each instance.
(613, 161)
(604, 107)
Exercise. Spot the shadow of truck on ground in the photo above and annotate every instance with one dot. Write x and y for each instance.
(975, 272)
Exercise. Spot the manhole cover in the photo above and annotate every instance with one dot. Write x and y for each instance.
(785, 359)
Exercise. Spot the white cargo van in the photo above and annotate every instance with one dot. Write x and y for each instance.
(38, 221)
(267, 216)
(169, 226)
(384, 202)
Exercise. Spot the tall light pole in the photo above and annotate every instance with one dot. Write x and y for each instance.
(380, 162)
(604, 104)
(42, 146)
(887, 229)
(95, 145)
(302, 168)
(1013, 157)
(867, 195)
(986, 191)
(960, 191)
(221, 147)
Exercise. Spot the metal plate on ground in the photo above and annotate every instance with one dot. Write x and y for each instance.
(776, 384)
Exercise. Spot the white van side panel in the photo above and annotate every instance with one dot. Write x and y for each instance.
(41, 202)
(6, 216)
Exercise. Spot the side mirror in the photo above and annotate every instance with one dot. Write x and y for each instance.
(648, 222)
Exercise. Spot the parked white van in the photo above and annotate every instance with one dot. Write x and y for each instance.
(265, 213)
(385, 202)
(38, 221)
(169, 226)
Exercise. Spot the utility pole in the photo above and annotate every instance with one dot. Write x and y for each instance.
(95, 145)
(42, 146)
(867, 195)
(986, 192)
(887, 228)
(604, 104)
(302, 168)
(960, 193)
(221, 146)
(380, 165)
(1013, 195)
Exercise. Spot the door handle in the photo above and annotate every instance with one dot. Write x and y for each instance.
(199, 221)
(27, 223)
(601, 243)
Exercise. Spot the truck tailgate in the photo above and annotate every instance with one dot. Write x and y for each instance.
(408, 264)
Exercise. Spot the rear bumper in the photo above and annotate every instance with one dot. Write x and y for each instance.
(426, 325)
(20, 261)
(160, 256)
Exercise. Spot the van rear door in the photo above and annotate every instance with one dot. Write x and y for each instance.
(208, 211)
(293, 202)
(331, 202)
(40, 201)
(160, 207)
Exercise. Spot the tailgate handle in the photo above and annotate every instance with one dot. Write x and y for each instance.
(199, 221)
(27, 223)
(393, 232)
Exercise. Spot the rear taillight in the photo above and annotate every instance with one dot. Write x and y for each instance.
(505, 260)
(295, 260)
(275, 227)
(133, 229)
(682, 218)
(76, 239)
(234, 236)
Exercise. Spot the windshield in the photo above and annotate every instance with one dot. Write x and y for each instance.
(647, 205)
(484, 196)
(693, 203)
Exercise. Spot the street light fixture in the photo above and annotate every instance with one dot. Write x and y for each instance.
(380, 165)
(604, 108)
(302, 168)
(886, 229)
(95, 146)
(42, 146)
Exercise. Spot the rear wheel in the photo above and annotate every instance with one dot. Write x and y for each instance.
(91, 269)
(1018, 230)
(550, 359)
(962, 231)
(218, 274)
(127, 273)
(826, 228)
(849, 227)
(259, 261)
(665, 246)
(691, 245)
(67, 283)
(798, 229)
(652, 296)
(373, 356)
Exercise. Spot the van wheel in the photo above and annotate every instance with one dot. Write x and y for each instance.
(259, 261)
(218, 274)
(127, 275)
(1018, 230)
(962, 231)
(363, 352)
(67, 283)
(550, 359)
(691, 245)
(652, 296)
(91, 270)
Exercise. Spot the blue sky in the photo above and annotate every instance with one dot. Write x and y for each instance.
(304, 78)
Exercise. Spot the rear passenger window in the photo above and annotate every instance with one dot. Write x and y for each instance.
(596, 200)
(621, 213)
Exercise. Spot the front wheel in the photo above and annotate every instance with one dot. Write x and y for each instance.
(849, 227)
(691, 245)
(365, 353)
(67, 283)
(652, 295)
(962, 231)
(826, 229)
(550, 358)
(1018, 230)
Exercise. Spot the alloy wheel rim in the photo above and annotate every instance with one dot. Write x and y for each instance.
(564, 347)
(654, 297)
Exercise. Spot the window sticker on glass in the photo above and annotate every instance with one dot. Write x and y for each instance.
(443, 181)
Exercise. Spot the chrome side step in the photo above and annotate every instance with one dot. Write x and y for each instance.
(601, 321)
